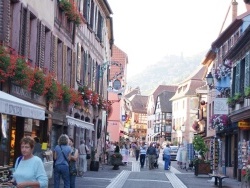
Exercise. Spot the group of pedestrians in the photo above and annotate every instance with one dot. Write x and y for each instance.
(65, 159)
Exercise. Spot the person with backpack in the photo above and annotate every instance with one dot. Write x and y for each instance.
(29, 169)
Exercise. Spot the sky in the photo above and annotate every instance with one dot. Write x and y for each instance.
(148, 30)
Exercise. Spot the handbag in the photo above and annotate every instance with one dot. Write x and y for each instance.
(88, 155)
(72, 164)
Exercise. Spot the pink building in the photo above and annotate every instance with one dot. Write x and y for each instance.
(118, 73)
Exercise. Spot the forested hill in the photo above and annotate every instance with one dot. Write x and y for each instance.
(170, 70)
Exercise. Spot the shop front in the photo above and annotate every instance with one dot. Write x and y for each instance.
(17, 118)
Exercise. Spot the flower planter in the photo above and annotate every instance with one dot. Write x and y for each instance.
(94, 166)
(202, 168)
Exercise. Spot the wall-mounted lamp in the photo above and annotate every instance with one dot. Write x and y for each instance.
(225, 91)
(119, 95)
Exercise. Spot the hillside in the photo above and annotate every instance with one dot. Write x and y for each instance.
(170, 70)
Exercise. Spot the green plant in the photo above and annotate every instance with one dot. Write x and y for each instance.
(231, 101)
(116, 159)
(38, 81)
(51, 94)
(247, 91)
(200, 146)
(237, 96)
(66, 94)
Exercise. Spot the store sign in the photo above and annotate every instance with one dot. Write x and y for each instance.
(220, 106)
(14, 106)
(243, 124)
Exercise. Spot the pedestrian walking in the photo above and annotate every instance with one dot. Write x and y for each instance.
(83, 150)
(166, 156)
(62, 156)
(72, 163)
(29, 169)
(151, 153)
(38, 148)
(137, 151)
(143, 152)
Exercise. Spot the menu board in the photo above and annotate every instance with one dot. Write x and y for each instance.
(214, 153)
(243, 151)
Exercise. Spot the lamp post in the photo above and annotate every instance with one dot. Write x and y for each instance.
(224, 91)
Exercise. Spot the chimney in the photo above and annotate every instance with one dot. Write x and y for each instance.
(234, 10)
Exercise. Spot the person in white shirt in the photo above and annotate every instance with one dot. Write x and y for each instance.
(83, 150)
(143, 151)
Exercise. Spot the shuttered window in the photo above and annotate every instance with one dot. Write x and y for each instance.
(68, 66)
(242, 76)
(89, 71)
(64, 64)
(60, 61)
(247, 76)
(24, 32)
(92, 15)
(86, 8)
(53, 57)
(73, 70)
(94, 75)
(99, 26)
(40, 45)
(237, 78)
(85, 69)
(78, 68)
(5, 21)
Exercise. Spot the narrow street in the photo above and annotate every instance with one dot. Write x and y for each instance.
(132, 176)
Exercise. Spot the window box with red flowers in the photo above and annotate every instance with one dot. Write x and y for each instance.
(70, 9)
(219, 122)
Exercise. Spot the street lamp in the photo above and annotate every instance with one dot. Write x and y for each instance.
(119, 95)
(224, 91)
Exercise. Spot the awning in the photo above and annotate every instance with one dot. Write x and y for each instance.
(12, 105)
(80, 123)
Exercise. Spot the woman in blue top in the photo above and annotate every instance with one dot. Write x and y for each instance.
(29, 169)
(166, 156)
(62, 154)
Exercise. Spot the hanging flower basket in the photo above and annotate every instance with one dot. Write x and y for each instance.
(196, 126)
(219, 122)
(222, 71)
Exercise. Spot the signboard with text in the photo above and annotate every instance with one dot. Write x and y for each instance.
(220, 106)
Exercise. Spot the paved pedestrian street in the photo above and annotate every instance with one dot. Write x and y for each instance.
(132, 176)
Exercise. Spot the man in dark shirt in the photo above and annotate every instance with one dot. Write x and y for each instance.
(151, 152)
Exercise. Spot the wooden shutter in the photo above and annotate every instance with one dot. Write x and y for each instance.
(237, 78)
(40, 45)
(5, 21)
(24, 34)
(64, 62)
(53, 56)
(247, 77)
(73, 69)
(78, 69)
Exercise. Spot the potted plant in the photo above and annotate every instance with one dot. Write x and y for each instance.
(94, 160)
(247, 92)
(116, 160)
(231, 102)
(201, 165)
(238, 97)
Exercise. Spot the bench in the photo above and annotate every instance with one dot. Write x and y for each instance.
(217, 177)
